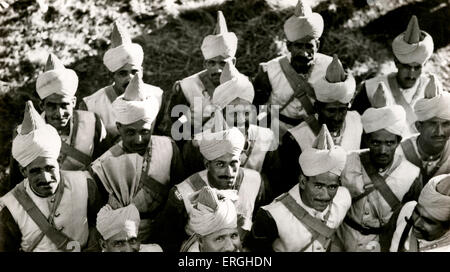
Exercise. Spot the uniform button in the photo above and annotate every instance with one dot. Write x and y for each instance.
(434, 246)
(52, 200)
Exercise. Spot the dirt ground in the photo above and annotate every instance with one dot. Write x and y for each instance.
(360, 32)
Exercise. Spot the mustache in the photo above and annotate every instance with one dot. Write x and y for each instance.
(44, 183)
(226, 177)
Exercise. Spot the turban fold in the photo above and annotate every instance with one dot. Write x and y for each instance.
(138, 102)
(413, 45)
(233, 85)
(391, 118)
(122, 50)
(221, 43)
(110, 221)
(335, 85)
(208, 213)
(35, 138)
(56, 79)
(216, 144)
(435, 197)
(303, 23)
(323, 156)
(436, 103)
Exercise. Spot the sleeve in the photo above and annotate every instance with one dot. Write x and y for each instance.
(192, 158)
(82, 105)
(262, 86)
(101, 144)
(361, 101)
(94, 205)
(288, 153)
(170, 224)
(163, 123)
(175, 98)
(177, 173)
(264, 231)
(10, 235)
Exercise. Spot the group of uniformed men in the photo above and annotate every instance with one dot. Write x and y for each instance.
(332, 169)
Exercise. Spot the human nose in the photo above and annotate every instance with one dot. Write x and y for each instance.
(228, 246)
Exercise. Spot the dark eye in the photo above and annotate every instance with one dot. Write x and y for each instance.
(133, 241)
(318, 186)
(49, 168)
(119, 243)
(234, 236)
(219, 239)
(333, 187)
(133, 72)
(123, 73)
(219, 164)
(130, 132)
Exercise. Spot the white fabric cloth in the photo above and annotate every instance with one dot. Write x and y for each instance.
(216, 144)
(205, 220)
(303, 23)
(59, 81)
(434, 201)
(417, 52)
(237, 87)
(391, 118)
(143, 106)
(438, 106)
(223, 44)
(117, 57)
(342, 92)
(110, 222)
(324, 156)
(35, 138)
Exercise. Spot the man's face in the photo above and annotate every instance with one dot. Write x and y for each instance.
(223, 170)
(382, 145)
(318, 192)
(434, 132)
(238, 113)
(58, 109)
(124, 241)
(123, 76)
(302, 53)
(43, 176)
(425, 226)
(224, 240)
(332, 114)
(135, 136)
(214, 67)
(408, 74)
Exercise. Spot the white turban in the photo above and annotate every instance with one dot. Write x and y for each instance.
(335, 85)
(323, 157)
(435, 103)
(122, 50)
(56, 79)
(110, 222)
(413, 45)
(435, 197)
(216, 144)
(391, 118)
(221, 43)
(208, 213)
(35, 138)
(137, 103)
(233, 85)
(303, 23)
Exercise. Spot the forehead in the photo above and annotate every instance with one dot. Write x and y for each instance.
(436, 120)
(238, 105)
(222, 232)
(303, 41)
(383, 135)
(227, 158)
(42, 162)
(128, 68)
(219, 58)
(326, 178)
(138, 125)
(58, 99)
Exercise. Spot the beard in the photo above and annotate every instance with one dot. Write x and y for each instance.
(301, 64)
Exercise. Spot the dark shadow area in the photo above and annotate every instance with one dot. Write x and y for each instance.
(433, 16)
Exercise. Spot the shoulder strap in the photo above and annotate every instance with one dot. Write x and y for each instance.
(75, 153)
(323, 232)
(399, 98)
(313, 124)
(410, 153)
(196, 182)
(110, 93)
(379, 182)
(248, 152)
(296, 83)
(57, 237)
(188, 243)
(405, 233)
